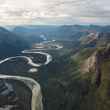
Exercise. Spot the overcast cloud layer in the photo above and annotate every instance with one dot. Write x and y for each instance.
(14, 12)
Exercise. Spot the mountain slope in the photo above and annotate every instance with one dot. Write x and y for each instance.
(10, 43)
(95, 70)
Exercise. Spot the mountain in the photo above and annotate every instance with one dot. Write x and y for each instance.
(94, 73)
(51, 32)
(81, 79)
(10, 43)
(63, 32)
(34, 33)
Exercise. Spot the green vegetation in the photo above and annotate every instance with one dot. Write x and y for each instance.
(83, 54)
(62, 91)
(64, 85)
(98, 98)
(104, 87)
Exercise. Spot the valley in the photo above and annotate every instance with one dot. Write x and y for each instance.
(56, 70)
(45, 59)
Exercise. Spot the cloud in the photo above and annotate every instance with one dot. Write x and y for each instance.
(54, 12)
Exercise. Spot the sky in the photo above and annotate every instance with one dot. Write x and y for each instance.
(54, 12)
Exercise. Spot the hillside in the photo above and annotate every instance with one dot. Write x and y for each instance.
(81, 80)
(95, 70)
(75, 77)
(10, 43)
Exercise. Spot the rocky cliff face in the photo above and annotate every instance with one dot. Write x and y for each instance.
(97, 67)
(93, 63)
(89, 64)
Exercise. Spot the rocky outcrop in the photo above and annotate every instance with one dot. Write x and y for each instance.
(93, 63)
(90, 39)
(89, 64)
